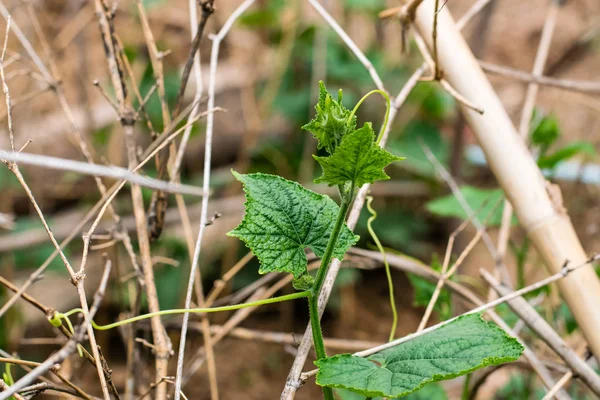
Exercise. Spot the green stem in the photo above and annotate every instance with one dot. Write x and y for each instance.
(313, 299)
(387, 110)
(279, 299)
(465, 391)
(387, 267)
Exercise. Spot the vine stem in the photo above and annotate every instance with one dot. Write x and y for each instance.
(313, 298)
(278, 299)
(387, 267)
(387, 110)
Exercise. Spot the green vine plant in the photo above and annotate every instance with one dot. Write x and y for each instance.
(283, 219)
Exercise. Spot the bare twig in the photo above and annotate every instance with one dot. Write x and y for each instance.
(528, 314)
(567, 269)
(592, 87)
(68, 349)
(206, 185)
(349, 42)
(4, 386)
(208, 9)
(99, 170)
(526, 113)
(562, 382)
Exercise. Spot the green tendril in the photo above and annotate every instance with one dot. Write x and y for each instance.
(387, 110)
(387, 267)
(97, 327)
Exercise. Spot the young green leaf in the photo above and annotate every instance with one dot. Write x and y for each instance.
(358, 159)
(282, 219)
(462, 346)
(330, 123)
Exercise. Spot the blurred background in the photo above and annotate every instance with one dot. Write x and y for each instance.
(269, 66)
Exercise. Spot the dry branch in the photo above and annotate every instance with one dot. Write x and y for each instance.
(543, 329)
(536, 205)
(98, 170)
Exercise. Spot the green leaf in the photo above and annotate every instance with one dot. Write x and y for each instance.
(462, 346)
(546, 132)
(358, 159)
(330, 123)
(282, 219)
(569, 151)
(448, 206)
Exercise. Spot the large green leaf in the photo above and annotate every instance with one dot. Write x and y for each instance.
(464, 345)
(331, 122)
(282, 219)
(358, 159)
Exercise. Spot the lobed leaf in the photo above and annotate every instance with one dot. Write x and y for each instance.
(464, 345)
(358, 159)
(283, 219)
(330, 123)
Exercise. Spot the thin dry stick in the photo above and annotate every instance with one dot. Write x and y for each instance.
(163, 139)
(286, 338)
(5, 90)
(106, 197)
(75, 130)
(161, 340)
(464, 204)
(69, 347)
(591, 87)
(238, 317)
(348, 42)
(318, 73)
(4, 386)
(76, 279)
(562, 382)
(197, 32)
(527, 112)
(206, 184)
(567, 269)
(220, 284)
(54, 371)
(99, 170)
(26, 45)
(543, 329)
(429, 60)
(445, 273)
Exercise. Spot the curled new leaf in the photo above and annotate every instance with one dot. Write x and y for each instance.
(282, 219)
(463, 345)
(358, 159)
(330, 123)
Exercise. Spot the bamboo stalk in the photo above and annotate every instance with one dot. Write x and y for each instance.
(538, 204)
